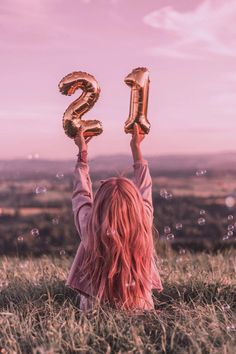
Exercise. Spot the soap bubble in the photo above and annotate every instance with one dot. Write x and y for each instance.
(20, 238)
(230, 233)
(62, 252)
(225, 307)
(178, 226)
(182, 251)
(35, 232)
(167, 229)
(170, 236)
(201, 221)
(230, 217)
(231, 328)
(168, 196)
(163, 193)
(130, 284)
(225, 237)
(59, 175)
(111, 232)
(40, 190)
(230, 227)
(33, 156)
(202, 212)
(229, 202)
(201, 172)
(55, 221)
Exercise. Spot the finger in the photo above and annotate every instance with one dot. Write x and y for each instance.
(87, 139)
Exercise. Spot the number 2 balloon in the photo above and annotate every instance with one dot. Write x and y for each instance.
(72, 116)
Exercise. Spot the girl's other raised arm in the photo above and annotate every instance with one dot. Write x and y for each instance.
(82, 196)
(142, 177)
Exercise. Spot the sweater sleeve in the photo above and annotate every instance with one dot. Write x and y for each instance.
(143, 181)
(82, 197)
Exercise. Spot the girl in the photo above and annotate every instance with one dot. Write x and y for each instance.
(115, 261)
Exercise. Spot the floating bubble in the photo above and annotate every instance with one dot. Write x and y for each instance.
(35, 232)
(202, 212)
(167, 229)
(163, 193)
(33, 156)
(130, 284)
(40, 190)
(62, 252)
(225, 307)
(182, 251)
(178, 226)
(201, 221)
(225, 237)
(231, 328)
(3, 284)
(111, 232)
(230, 217)
(230, 227)
(230, 201)
(168, 196)
(20, 238)
(59, 175)
(201, 173)
(55, 221)
(230, 233)
(170, 236)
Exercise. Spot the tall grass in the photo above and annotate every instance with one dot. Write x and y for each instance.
(196, 312)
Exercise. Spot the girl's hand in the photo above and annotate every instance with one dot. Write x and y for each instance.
(137, 137)
(81, 141)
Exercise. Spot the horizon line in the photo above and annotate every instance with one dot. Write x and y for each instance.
(123, 154)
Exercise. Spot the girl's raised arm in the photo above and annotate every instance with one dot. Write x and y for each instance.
(142, 177)
(143, 181)
(82, 197)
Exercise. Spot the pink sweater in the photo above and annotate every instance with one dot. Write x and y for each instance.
(82, 201)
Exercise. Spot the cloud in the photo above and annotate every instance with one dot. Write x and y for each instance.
(206, 30)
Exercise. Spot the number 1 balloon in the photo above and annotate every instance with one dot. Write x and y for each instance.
(139, 81)
(72, 116)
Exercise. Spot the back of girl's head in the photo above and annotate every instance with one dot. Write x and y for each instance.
(120, 247)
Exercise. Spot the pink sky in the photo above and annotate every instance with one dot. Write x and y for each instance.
(188, 46)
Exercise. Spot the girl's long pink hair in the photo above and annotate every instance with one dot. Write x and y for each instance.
(120, 249)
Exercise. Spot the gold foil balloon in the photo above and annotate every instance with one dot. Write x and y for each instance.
(72, 116)
(139, 81)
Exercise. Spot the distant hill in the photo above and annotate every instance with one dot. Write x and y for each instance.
(166, 164)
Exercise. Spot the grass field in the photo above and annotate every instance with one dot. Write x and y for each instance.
(196, 312)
